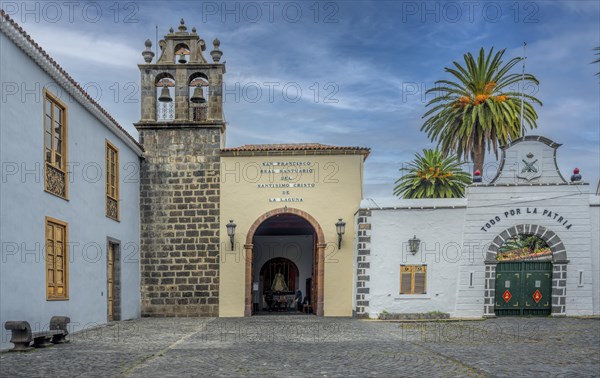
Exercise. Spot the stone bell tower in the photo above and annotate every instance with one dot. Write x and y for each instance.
(182, 131)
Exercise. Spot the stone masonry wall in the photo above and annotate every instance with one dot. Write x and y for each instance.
(363, 262)
(180, 194)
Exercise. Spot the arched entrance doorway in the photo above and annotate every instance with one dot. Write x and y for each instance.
(286, 233)
(535, 257)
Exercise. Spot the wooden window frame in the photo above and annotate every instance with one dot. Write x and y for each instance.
(109, 147)
(65, 267)
(413, 270)
(54, 100)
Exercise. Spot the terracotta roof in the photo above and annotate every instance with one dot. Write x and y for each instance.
(295, 147)
(52, 62)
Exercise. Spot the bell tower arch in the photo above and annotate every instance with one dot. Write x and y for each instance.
(182, 130)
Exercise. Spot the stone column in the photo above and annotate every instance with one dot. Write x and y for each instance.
(490, 290)
(182, 94)
(320, 279)
(559, 288)
(248, 288)
(148, 94)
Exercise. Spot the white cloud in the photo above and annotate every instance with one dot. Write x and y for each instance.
(86, 48)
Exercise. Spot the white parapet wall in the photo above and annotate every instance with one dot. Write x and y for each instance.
(438, 223)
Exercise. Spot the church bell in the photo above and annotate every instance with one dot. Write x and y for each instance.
(165, 96)
(198, 96)
(182, 59)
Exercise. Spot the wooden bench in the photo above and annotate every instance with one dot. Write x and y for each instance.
(22, 336)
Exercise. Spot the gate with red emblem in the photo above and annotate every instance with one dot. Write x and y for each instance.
(523, 288)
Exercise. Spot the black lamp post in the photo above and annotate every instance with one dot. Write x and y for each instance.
(413, 244)
(231, 232)
(340, 227)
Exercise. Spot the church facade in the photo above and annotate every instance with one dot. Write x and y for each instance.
(182, 225)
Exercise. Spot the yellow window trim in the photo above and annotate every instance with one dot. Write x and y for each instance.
(108, 147)
(49, 96)
(65, 296)
(412, 269)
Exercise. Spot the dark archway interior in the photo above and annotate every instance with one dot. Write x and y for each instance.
(285, 224)
(281, 248)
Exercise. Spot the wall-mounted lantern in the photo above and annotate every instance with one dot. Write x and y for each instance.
(231, 232)
(340, 227)
(413, 244)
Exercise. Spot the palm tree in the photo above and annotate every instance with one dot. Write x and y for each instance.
(479, 109)
(432, 176)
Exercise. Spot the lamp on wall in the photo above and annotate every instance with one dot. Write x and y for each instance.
(413, 244)
(231, 232)
(340, 227)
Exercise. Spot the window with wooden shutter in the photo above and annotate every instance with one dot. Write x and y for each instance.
(57, 260)
(55, 146)
(112, 181)
(413, 279)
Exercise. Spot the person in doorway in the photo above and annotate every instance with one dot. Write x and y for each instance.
(269, 299)
(298, 300)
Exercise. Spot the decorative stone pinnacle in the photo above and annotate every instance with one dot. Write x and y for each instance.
(148, 54)
(194, 29)
(216, 54)
(182, 27)
(171, 30)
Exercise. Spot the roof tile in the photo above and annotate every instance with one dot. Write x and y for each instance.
(293, 147)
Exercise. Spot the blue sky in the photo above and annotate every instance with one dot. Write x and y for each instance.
(370, 60)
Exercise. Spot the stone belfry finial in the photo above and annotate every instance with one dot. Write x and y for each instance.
(216, 53)
(182, 28)
(148, 54)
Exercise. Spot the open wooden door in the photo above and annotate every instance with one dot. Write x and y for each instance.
(110, 277)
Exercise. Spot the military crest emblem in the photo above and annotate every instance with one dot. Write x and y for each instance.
(530, 168)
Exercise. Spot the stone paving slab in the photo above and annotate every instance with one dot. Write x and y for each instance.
(310, 346)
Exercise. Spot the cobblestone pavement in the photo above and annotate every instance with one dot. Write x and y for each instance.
(311, 346)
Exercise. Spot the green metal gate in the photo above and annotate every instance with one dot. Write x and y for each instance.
(523, 288)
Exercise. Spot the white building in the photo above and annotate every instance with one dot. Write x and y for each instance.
(56, 147)
(70, 214)
(454, 270)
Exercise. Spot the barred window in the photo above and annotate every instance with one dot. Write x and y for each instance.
(413, 279)
(57, 260)
(112, 181)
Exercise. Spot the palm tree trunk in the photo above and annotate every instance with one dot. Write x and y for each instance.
(478, 157)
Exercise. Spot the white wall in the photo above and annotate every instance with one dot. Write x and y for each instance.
(25, 205)
(440, 232)
(595, 250)
(487, 202)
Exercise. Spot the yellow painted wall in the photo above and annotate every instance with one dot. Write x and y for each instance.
(336, 194)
